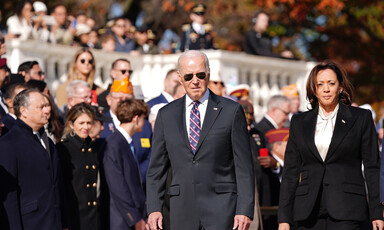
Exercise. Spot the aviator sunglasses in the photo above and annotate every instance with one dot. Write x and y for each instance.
(90, 61)
(189, 76)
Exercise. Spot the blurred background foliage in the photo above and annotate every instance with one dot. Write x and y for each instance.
(350, 32)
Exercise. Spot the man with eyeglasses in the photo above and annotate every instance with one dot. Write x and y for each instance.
(204, 137)
(197, 35)
(275, 118)
(120, 69)
(78, 91)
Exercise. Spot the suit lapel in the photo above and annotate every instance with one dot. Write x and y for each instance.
(309, 128)
(344, 122)
(213, 110)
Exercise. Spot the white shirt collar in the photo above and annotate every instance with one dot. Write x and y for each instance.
(167, 96)
(125, 134)
(115, 121)
(199, 28)
(203, 100)
(271, 120)
(12, 115)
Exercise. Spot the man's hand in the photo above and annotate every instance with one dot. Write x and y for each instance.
(241, 222)
(140, 225)
(267, 162)
(155, 221)
(378, 224)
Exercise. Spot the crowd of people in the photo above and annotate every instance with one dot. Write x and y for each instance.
(193, 157)
(56, 25)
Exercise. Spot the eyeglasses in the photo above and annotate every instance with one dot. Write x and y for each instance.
(123, 71)
(189, 76)
(40, 73)
(90, 61)
(84, 98)
(285, 112)
(199, 13)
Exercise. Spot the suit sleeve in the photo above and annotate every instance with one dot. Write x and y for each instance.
(370, 155)
(245, 179)
(119, 185)
(10, 216)
(382, 176)
(158, 168)
(292, 162)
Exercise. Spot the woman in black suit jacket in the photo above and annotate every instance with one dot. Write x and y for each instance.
(323, 184)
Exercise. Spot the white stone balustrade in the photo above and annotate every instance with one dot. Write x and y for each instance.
(265, 76)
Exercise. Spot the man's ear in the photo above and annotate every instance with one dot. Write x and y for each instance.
(108, 97)
(135, 119)
(23, 111)
(9, 102)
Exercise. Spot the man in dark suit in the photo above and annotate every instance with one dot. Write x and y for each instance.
(382, 176)
(204, 137)
(4, 79)
(29, 169)
(141, 140)
(127, 203)
(170, 82)
(257, 42)
(9, 120)
(197, 35)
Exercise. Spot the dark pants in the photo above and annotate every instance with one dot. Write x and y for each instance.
(320, 220)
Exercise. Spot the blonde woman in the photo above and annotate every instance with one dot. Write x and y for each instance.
(82, 67)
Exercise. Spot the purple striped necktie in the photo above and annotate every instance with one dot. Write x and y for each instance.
(194, 126)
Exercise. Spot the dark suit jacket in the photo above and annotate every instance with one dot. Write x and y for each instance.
(30, 182)
(258, 44)
(354, 142)
(211, 186)
(264, 126)
(157, 100)
(127, 198)
(8, 122)
(382, 175)
(140, 142)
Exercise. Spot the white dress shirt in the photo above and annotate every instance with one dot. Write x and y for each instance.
(115, 121)
(167, 96)
(202, 108)
(324, 131)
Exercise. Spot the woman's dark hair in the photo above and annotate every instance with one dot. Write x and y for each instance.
(20, 7)
(54, 125)
(345, 95)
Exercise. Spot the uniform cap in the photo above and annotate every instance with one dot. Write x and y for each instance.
(276, 135)
(199, 8)
(122, 86)
(3, 62)
(290, 90)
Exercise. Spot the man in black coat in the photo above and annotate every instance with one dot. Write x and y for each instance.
(29, 169)
(257, 42)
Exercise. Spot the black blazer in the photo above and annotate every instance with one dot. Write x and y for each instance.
(211, 186)
(354, 142)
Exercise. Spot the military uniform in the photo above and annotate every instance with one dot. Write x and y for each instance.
(81, 171)
(191, 40)
(195, 35)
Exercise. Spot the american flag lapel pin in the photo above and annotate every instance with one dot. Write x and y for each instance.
(214, 108)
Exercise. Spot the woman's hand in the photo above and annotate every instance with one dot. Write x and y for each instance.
(283, 226)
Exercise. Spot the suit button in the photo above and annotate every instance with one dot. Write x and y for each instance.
(88, 185)
(89, 150)
(83, 150)
(87, 167)
(89, 203)
(93, 166)
(193, 162)
(94, 203)
(94, 185)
